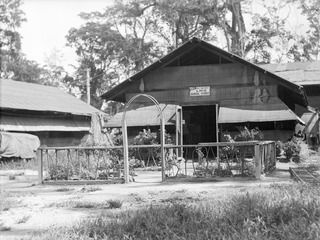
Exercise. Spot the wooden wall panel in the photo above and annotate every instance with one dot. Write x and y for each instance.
(188, 76)
(227, 97)
(231, 85)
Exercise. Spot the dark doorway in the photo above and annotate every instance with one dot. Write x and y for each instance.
(200, 124)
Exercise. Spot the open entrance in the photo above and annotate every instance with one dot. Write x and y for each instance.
(199, 124)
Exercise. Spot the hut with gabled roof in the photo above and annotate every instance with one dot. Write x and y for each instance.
(206, 81)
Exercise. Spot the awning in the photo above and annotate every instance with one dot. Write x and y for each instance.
(148, 116)
(29, 124)
(145, 116)
(232, 115)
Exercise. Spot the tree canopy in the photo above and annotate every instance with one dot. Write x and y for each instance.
(128, 35)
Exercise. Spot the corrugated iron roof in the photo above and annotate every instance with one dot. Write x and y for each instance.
(145, 116)
(36, 97)
(29, 124)
(302, 73)
(232, 115)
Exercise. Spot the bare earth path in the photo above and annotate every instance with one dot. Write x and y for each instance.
(39, 207)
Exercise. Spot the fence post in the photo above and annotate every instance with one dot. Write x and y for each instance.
(257, 159)
(163, 158)
(125, 152)
(40, 167)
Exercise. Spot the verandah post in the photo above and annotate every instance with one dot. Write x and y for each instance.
(40, 167)
(163, 161)
(125, 152)
(257, 160)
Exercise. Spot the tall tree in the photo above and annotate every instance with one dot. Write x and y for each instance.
(13, 64)
(180, 20)
(131, 34)
(311, 44)
(269, 40)
(234, 29)
(11, 17)
(109, 43)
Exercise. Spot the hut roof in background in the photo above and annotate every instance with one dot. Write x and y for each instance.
(302, 73)
(36, 97)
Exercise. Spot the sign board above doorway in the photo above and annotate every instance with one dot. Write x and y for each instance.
(199, 91)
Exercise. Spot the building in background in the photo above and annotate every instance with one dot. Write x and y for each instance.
(56, 117)
(306, 74)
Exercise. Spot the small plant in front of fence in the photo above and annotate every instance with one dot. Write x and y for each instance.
(279, 148)
(59, 172)
(246, 134)
(291, 150)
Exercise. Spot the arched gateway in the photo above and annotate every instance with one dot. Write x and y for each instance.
(125, 136)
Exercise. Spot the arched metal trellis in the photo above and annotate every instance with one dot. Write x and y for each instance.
(125, 136)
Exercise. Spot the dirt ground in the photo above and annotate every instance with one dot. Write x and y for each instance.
(39, 207)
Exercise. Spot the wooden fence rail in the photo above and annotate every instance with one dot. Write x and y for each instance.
(204, 159)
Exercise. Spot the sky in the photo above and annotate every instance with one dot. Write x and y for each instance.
(48, 22)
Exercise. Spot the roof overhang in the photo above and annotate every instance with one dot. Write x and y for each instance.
(29, 124)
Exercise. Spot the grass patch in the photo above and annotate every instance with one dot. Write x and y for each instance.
(90, 189)
(8, 200)
(12, 177)
(64, 189)
(110, 204)
(114, 204)
(282, 212)
(4, 228)
(24, 219)
(19, 164)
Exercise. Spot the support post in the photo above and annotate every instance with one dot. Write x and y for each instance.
(40, 167)
(217, 130)
(125, 152)
(257, 160)
(163, 160)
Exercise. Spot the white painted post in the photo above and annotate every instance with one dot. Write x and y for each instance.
(163, 160)
(217, 130)
(40, 167)
(125, 151)
(257, 160)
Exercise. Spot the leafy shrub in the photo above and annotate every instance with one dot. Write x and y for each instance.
(59, 172)
(114, 204)
(249, 134)
(279, 148)
(291, 149)
(147, 137)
